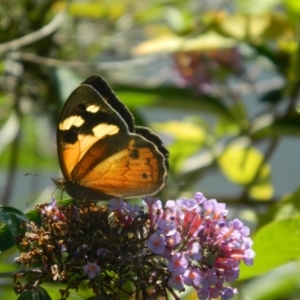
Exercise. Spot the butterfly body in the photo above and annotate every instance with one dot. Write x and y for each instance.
(102, 153)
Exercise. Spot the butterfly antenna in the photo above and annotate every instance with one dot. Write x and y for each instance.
(32, 174)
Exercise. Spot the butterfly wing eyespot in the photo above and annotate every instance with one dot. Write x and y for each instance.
(101, 153)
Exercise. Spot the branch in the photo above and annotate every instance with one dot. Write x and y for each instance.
(34, 36)
(52, 62)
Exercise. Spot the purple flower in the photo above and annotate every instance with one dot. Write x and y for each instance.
(133, 210)
(176, 282)
(191, 71)
(195, 251)
(199, 197)
(189, 204)
(167, 227)
(92, 270)
(173, 240)
(192, 277)
(154, 209)
(156, 243)
(102, 252)
(178, 263)
(126, 212)
(249, 254)
(228, 293)
(204, 248)
(52, 211)
(116, 204)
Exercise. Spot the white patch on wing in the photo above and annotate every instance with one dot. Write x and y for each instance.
(66, 124)
(93, 108)
(102, 130)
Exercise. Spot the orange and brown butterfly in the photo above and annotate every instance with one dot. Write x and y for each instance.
(102, 154)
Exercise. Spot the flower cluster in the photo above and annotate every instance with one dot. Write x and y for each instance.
(201, 247)
(199, 70)
(123, 250)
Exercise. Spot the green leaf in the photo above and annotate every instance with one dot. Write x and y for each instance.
(179, 20)
(227, 127)
(171, 98)
(292, 6)
(33, 151)
(234, 125)
(13, 218)
(266, 127)
(274, 245)
(38, 294)
(287, 207)
(6, 238)
(273, 96)
(280, 283)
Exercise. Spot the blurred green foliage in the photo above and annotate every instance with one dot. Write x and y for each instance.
(218, 81)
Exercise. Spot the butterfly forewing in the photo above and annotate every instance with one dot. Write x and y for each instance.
(85, 119)
(108, 95)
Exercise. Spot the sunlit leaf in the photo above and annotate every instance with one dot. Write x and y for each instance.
(274, 245)
(293, 6)
(186, 139)
(97, 10)
(262, 190)
(172, 43)
(239, 163)
(256, 6)
(184, 131)
(226, 126)
(135, 99)
(255, 27)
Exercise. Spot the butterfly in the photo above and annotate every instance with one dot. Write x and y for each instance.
(102, 154)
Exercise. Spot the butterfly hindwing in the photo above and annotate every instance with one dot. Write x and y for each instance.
(155, 139)
(101, 153)
(121, 165)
